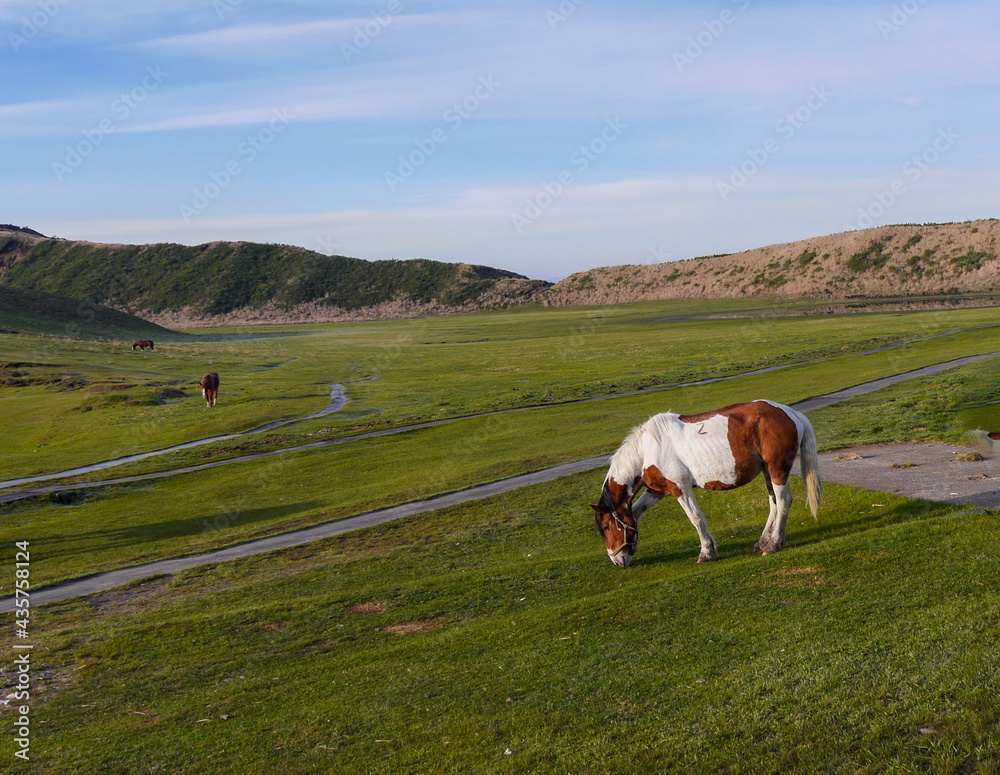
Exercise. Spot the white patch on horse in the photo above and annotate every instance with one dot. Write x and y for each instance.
(705, 449)
(685, 453)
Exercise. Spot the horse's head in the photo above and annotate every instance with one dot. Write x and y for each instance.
(616, 524)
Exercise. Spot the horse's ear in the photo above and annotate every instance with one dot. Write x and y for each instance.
(596, 507)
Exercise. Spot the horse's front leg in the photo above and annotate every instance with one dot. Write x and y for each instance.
(690, 506)
(647, 499)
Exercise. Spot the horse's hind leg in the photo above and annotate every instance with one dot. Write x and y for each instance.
(779, 498)
(690, 506)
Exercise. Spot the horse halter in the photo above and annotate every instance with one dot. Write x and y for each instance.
(624, 527)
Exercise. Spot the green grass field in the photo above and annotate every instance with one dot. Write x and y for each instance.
(441, 642)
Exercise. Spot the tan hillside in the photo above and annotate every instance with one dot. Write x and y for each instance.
(907, 260)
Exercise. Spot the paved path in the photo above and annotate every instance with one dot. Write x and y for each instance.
(111, 579)
(338, 400)
(105, 581)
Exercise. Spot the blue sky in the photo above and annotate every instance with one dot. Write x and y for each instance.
(542, 137)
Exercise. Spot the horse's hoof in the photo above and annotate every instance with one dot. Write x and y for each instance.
(705, 557)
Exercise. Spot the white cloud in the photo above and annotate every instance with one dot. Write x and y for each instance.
(656, 188)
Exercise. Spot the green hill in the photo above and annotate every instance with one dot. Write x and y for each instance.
(37, 312)
(222, 277)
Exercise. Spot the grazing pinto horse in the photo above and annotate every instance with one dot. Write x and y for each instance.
(672, 454)
(210, 388)
(142, 344)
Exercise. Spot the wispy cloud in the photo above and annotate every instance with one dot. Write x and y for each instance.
(353, 117)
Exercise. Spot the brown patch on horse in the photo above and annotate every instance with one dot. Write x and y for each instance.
(654, 479)
(751, 445)
(994, 435)
(619, 492)
(718, 486)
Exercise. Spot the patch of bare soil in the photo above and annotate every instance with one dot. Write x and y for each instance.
(939, 472)
(368, 608)
(408, 628)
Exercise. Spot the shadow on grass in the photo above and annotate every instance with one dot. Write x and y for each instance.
(740, 545)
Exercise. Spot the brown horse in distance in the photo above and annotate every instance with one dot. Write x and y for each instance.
(142, 344)
(210, 388)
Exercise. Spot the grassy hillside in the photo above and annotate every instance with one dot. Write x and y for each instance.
(890, 261)
(223, 277)
(36, 312)
(239, 283)
(495, 638)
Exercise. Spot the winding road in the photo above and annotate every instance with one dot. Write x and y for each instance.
(104, 581)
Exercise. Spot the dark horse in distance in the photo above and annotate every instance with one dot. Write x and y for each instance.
(210, 388)
(142, 344)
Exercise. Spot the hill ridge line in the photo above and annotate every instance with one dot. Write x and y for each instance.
(243, 283)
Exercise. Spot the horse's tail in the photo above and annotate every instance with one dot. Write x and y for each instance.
(810, 465)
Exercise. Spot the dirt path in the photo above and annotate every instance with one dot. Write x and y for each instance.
(917, 470)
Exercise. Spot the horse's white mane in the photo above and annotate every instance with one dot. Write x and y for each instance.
(626, 463)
